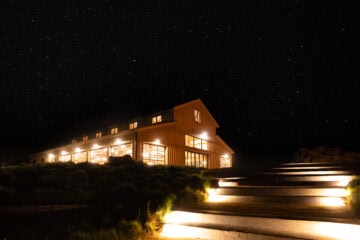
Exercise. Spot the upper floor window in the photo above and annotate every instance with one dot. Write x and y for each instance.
(73, 141)
(98, 134)
(133, 125)
(114, 130)
(85, 138)
(195, 142)
(156, 119)
(197, 116)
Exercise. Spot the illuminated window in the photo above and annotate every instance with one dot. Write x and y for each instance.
(153, 154)
(133, 125)
(98, 134)
(73, 141)
(156, 119)
(79, 157)
(99, 156)
(122, 150)
(193, 159)
(85, 138)
(114, 130)
(50, 158)
(195, 142)
(225, 161)
(197, 116)
(65, 158)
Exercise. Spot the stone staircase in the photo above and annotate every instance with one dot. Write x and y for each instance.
(289, 201)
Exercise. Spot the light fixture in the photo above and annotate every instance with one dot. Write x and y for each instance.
(77, 149)
(96, 146)
(204, 135)
(64, 153)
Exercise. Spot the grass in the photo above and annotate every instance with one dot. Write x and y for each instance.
(127, 199)
(354, 197)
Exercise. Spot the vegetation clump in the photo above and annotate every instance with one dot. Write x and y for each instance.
(354, 197)
(123, 199)
(323, 154)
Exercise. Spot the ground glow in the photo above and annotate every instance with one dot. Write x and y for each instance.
(213, 196)
(310, 173)
(174, 231)
(181, 217)
(336, 230)
(332, 202)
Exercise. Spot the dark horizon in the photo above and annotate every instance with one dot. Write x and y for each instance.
(276, 76)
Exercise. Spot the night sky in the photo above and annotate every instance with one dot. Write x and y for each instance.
(276, 75)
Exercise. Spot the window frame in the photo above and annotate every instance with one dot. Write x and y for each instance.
(114, 130)
(149, 159)
(133, 125)
(156, 119)
(197, 116)
(197, 142)
(196, 159)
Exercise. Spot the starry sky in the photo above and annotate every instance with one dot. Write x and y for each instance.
(274, 74)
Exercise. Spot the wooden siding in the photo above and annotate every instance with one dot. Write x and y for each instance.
(184, 117)
(168, 137)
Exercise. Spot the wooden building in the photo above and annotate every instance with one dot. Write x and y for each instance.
(183, 136)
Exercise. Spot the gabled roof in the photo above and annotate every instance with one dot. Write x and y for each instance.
(225, 144)
(200, 102)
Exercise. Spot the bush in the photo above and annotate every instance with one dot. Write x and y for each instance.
(118, 193)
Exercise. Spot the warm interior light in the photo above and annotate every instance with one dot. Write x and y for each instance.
(77, 149)
(118, 141)
(95, 146)
(64, 153)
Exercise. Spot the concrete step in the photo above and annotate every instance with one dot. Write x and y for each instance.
(287, 180)
(297, 200)
(195, 225)
(283, 191)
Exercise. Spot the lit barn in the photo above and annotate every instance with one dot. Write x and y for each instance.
(183, 136)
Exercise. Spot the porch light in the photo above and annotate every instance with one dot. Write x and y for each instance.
(118, 141)
(95, 146)
(204, 135)
(77, 149)
(157, 141)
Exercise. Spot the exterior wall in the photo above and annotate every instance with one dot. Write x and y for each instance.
(206, 129)
(169, 133)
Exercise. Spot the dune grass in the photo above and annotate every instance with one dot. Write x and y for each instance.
(126, 199)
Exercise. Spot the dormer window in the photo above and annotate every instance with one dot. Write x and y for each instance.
(85, 138)
(156, 119)
(197, 116)
(133, 125)
(98, 134)
(114, 130)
